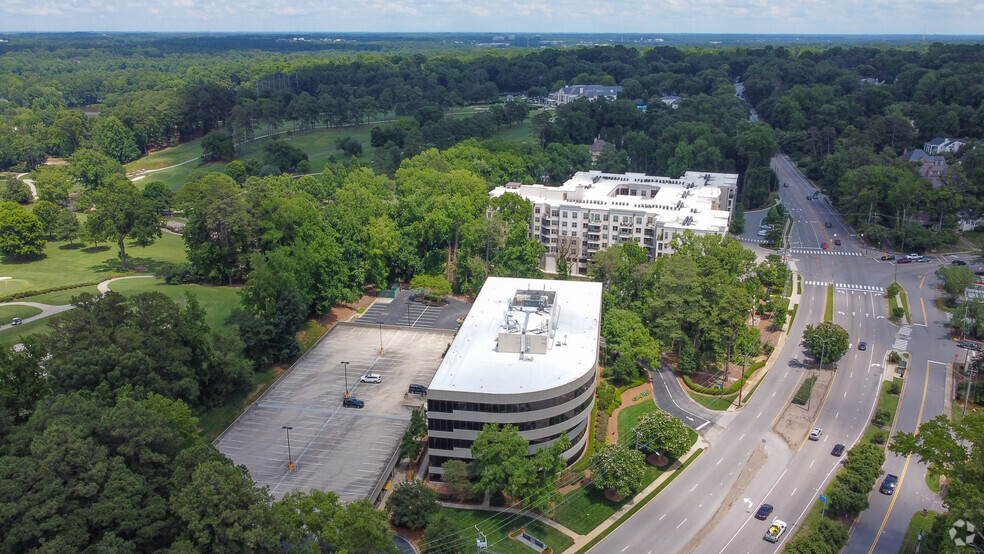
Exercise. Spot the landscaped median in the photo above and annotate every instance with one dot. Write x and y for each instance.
(720, 399)
(895, 294)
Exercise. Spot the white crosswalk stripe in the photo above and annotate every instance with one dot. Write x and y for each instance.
(846, 286)
(817, 251)
(900, 344)
(746, 239)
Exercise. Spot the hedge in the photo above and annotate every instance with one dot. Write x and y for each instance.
(722, 392)
(35, 292)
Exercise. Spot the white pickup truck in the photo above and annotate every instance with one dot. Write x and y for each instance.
(775, 531)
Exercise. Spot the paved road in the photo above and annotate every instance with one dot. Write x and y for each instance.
(691, 514)
(671, 398)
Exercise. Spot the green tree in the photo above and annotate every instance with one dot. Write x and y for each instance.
(663, 433)
(217, 235)
(21, 232)
(409, 446)
(47, 213)
(435, 286)
(826, 342)
(625, 332)
(737, 225)
(115, 139)
(285, 156)
(418, 424)
(955, 280)
(496, 453)
(218, 145)
(457, 478)
(618, 468)
(310, 516)
(22, 379)
(121, 213)
(412, 504)
(159, 195)
(237, 170)
(52, 183)
(443, 536)
(17, 191)
(67, 226)
(93, 169)
(363, 528)
(221, 509)
(624, 370)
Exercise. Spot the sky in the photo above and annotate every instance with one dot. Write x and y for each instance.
(909, 17)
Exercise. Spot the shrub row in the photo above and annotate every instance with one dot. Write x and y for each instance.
(725, 391)
(803, 394)
(35, 292)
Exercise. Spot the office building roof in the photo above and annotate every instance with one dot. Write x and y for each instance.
(522, 336)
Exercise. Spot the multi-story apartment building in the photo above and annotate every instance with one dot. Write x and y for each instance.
(527, 355)
(595, 210)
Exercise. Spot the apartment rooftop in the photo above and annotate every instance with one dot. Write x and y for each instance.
(693, 201)
(522, 336)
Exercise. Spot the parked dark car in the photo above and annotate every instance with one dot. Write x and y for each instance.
(352, 403)
(888, 485)
(958, 262)
(969, 345)
(888, 257)
(763, 511)
(417, 389)
(837, 242)
(828, 225)
(904, 261)
(838, 450)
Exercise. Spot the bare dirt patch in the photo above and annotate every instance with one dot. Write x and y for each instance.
(796, 420)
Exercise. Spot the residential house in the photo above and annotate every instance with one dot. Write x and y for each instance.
(941, 144)
(591, 92)
(932, 167)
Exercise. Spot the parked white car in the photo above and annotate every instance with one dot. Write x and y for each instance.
(371, 378)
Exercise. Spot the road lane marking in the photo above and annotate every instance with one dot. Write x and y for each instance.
(742, 436)
(811, 462)
(681, 523)
(925, 320)
(694, 487)
(717, 464)
(794, 491)
(760, 415)
(905, 468)
(921, 281)
(626, 547)
(661, 517)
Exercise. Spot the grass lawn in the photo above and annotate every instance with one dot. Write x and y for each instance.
(166, 157)
(586, 508)
(218, 302)
(886, 401)
(719, 403)
(905, 305)
(629, 418)
(918, 524)
(976, 237)
(828, 314)
(9, 312)
(12, 335)
(64, 265)
(497, 527)
(515, 133)
(214, 421)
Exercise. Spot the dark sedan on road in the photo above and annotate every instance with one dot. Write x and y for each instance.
(958, 262)
(887, 257)
(904, 261)
(763, 511)
(862, 346)
(838, 450)
(837, 242)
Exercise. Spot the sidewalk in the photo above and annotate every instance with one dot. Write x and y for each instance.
(794, 300)
(528, 513)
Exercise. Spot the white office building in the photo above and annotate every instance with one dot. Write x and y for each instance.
(527, 355)
(595, 210)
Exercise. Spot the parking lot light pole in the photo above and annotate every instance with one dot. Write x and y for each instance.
(290, 459)
(345, 366)
(380, 338)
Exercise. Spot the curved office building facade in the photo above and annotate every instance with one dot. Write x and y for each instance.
(527, 356)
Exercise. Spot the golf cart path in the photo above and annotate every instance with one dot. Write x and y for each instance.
(52, 309)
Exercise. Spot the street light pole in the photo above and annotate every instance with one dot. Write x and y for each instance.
(345, 366)
(380, 338)
(290, 459)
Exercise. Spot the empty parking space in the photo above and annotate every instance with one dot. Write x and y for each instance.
(407, 310)
(346, 450)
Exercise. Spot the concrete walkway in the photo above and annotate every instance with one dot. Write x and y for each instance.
(104, 286)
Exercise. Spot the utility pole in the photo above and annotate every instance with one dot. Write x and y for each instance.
(970, 379)
(380, 338)
(290, 460)
(345, 366)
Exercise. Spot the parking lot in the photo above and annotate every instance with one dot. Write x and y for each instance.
(346, 450)
(406, 311)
